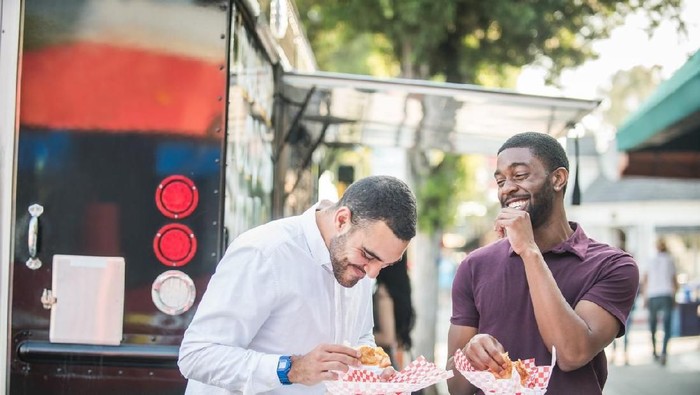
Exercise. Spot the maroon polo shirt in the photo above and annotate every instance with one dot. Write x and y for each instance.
(490, 292)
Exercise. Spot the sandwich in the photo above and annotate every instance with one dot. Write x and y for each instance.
(507, 371)
(374, 356)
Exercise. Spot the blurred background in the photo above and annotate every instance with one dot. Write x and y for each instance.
(635, 157)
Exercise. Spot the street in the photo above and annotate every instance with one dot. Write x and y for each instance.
(643, 376)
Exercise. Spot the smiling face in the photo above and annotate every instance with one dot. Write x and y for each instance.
(360, 250)
(525, 184)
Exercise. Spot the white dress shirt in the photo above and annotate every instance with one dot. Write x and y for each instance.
(273, 294)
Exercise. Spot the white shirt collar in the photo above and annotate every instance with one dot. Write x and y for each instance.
(317, 247)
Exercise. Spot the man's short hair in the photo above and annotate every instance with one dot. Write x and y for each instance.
(382, 198)
(543, 146)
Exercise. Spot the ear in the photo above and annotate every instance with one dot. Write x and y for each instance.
(342, 218)
(560, 177)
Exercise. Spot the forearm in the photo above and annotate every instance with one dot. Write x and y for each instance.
(386, 336)
(457, 337)
(675, 286)
(558, 323)
(232, 368)
(385, 340)
(458, 384)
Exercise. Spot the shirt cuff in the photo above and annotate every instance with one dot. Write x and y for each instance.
(268, 370)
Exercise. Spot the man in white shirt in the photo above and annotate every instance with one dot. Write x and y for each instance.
(290, 296)
(660, 287)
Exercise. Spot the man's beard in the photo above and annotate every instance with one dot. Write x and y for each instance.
(542, 203)
(340, 265)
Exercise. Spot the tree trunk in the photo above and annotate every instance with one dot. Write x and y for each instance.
(424, 282)
(407, 66)
(424, 271)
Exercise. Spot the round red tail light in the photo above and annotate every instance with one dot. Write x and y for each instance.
(177, 196)
(175, 245)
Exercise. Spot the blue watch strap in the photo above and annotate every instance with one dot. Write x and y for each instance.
(284, 365)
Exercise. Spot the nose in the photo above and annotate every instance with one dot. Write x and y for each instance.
(508, 186)
(372, 269)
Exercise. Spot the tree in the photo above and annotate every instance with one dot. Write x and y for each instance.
(465, 41)
(461, 40)
(628, 90)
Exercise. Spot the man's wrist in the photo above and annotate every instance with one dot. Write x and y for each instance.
(292, 375)
(531, 254)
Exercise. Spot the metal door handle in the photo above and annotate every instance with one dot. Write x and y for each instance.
(35, 210)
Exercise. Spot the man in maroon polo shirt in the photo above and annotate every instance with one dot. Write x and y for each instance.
(544, 284)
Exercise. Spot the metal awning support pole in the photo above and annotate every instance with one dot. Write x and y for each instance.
(307, 159)
(576, 195)
(294, 125)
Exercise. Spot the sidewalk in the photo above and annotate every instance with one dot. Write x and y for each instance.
(643, 376)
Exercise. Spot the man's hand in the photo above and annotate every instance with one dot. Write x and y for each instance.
(484, 352)
(515, 224)
(387, 374)
(322, 362)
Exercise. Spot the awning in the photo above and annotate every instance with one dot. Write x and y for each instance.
(405, 113)
(662, 137)
(669, 116)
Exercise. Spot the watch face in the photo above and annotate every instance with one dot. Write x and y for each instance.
(282, 364)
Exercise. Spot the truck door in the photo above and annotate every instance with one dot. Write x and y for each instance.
(118, 205)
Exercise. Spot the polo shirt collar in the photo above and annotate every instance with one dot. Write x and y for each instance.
(576, 244)
(317, 247)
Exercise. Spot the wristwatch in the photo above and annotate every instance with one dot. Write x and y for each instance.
(283, 367)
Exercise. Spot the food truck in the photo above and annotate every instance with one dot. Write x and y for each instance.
(123, 118)
(140, 137)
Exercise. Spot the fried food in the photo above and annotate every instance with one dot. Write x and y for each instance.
(522, 372)
(374, 356)
(507, 371)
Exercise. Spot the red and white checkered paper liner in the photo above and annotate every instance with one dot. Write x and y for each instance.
(536, 383)
(417, 375)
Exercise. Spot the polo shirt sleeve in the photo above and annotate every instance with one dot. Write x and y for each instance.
(464, 312)
(616, 288)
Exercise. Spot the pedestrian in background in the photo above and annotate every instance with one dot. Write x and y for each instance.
(660, 286)
(394, 315)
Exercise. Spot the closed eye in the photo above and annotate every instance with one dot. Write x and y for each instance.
(369, 255)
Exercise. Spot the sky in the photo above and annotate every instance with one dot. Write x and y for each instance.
(628, 46)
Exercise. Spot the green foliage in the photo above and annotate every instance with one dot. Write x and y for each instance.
(362, 54)
(629, 89)
(460, 40)
(465, 41)
(440, 191)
